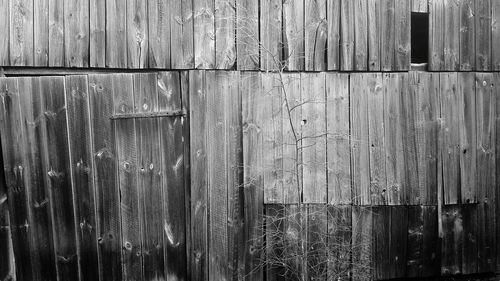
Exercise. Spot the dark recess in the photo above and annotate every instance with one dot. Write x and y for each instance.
(419, 37)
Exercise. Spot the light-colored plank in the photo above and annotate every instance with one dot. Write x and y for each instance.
(137, 33)
(293, 34)
(97, 30)
(314, 138)
(436, 35)
(483, 23)
(225, 34)
(76, 33)
(56, 33)
(40, 32)
(360, 35)
(21, 32)
(495, 35)
(169, 91)
(419, 6)
(333, 36)
(158, 34)
(387, 34)
(402, 35)
(374, 32)
(315, 34)
(116, 34)
(467, 37)
(451, 35)
(181, 34)
(247, 34)
(270, 34)
(204, 34)
(347, 35)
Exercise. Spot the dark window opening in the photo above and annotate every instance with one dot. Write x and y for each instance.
(419, 37)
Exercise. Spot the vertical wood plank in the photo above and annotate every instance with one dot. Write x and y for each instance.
(57, 164)
(338, 158)
(495, 35)
(204, 34)
(483, 35)
(346, 35)
(452, 240)
(21, 32)
(419, 6)
(467, 35)
(247, 34)
(274, 227)
(40, 32)
(13, 166)
(181, 34)
(333, 36)
(398, 241)
(97, 33)
(137, 33)
(415, 241)
(169, 91)
(270, 34)
(402, 33)
(116, 34)
(363, 241)
(314, 138)
(158, 34)
(317, 242)
(436, 35)
(388, 35)
(360, 173)
(467, 126)
(198, 93)
(82, 173)
(470, 228)
(432, 245)
(7, 268)
(56, 33)
(376, 135)
(374, 32)
(315, 34)
(361, 35)
(339, 242)
(382, 262)
(451, 35)
(107, 195)
(253, 176)
(185, 121)
(76, 33)
(293, 35)
(128, 176)
(450, 138)
(4, 29)
(225, 17)
(496, 84)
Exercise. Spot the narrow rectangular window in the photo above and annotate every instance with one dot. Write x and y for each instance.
(419, 38)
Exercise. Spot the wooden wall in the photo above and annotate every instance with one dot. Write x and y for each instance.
(305, 35)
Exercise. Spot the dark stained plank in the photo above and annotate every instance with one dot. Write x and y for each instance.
(13, 166)
(56, 161)
(128, 176)
(467, 35)
(107, 195)
(274, 227)
(314, 138)
(204, 34)
(431, 243)
(7, 266)
(452, 240)
(388, 35)
(402, 35)
(398, 241)
(360, 173)
(158, 34)
(137, 34)
(97, 33)
(76, 33)
(495, 35)
(270, 34)
(21, 32)
(415, 241)
(292, 156)
(436, 35)
(295, 251)
(496, 85)
(467, 125)
(449, 137)
(253, 181)
(315, 34)
(56, 33)
(217, 176)
(347, 35)
(333, 36)
(361, 35)
(451, 35)
(338, 157)
(374, 32)
(339, 242)
(225, 34)
(293, 35)
(317, 242)
(174, 212)
(382, 262)
(363, 242)
(40, 33)
(199, 174)
(116, 34)
(376, 143)
(247, 34)
(82, 173)
(469, 253)
(184, 92)
(483, 23)
(419, 6)
(181, 34)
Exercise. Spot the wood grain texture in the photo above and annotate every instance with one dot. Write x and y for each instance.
(21, 32)
(451, 35)
(181, 34)
(467, 35)
(204, 34)
(158, 34)
(293, 35)
(361, 35)
(137, 34)
(317, 242)
(483, 35)
(382, 263)
(496, 84)
(107, 195)
(198, 93)
(76, 33)
(347, 35)
(7, 266)
(387, 35)
(40, 32)
(82, 173)
(116, 34)
(56, 33)
(363, 219)
(169, 91)
(436, 35)
(333, 36)
(374, 32)
(470, 245)
(415, 241)
(360, 173)
(452, 240)
(97, 33)
(315, 35)
(247, 34)
(225, 34)
(270, 34)
(4, 29)
(337, 120)
(314, 138)
(339, 241)
(398, 241)
(432, 245)
(495, 35)
(419, 6)
(274, 218)
(402, 35)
